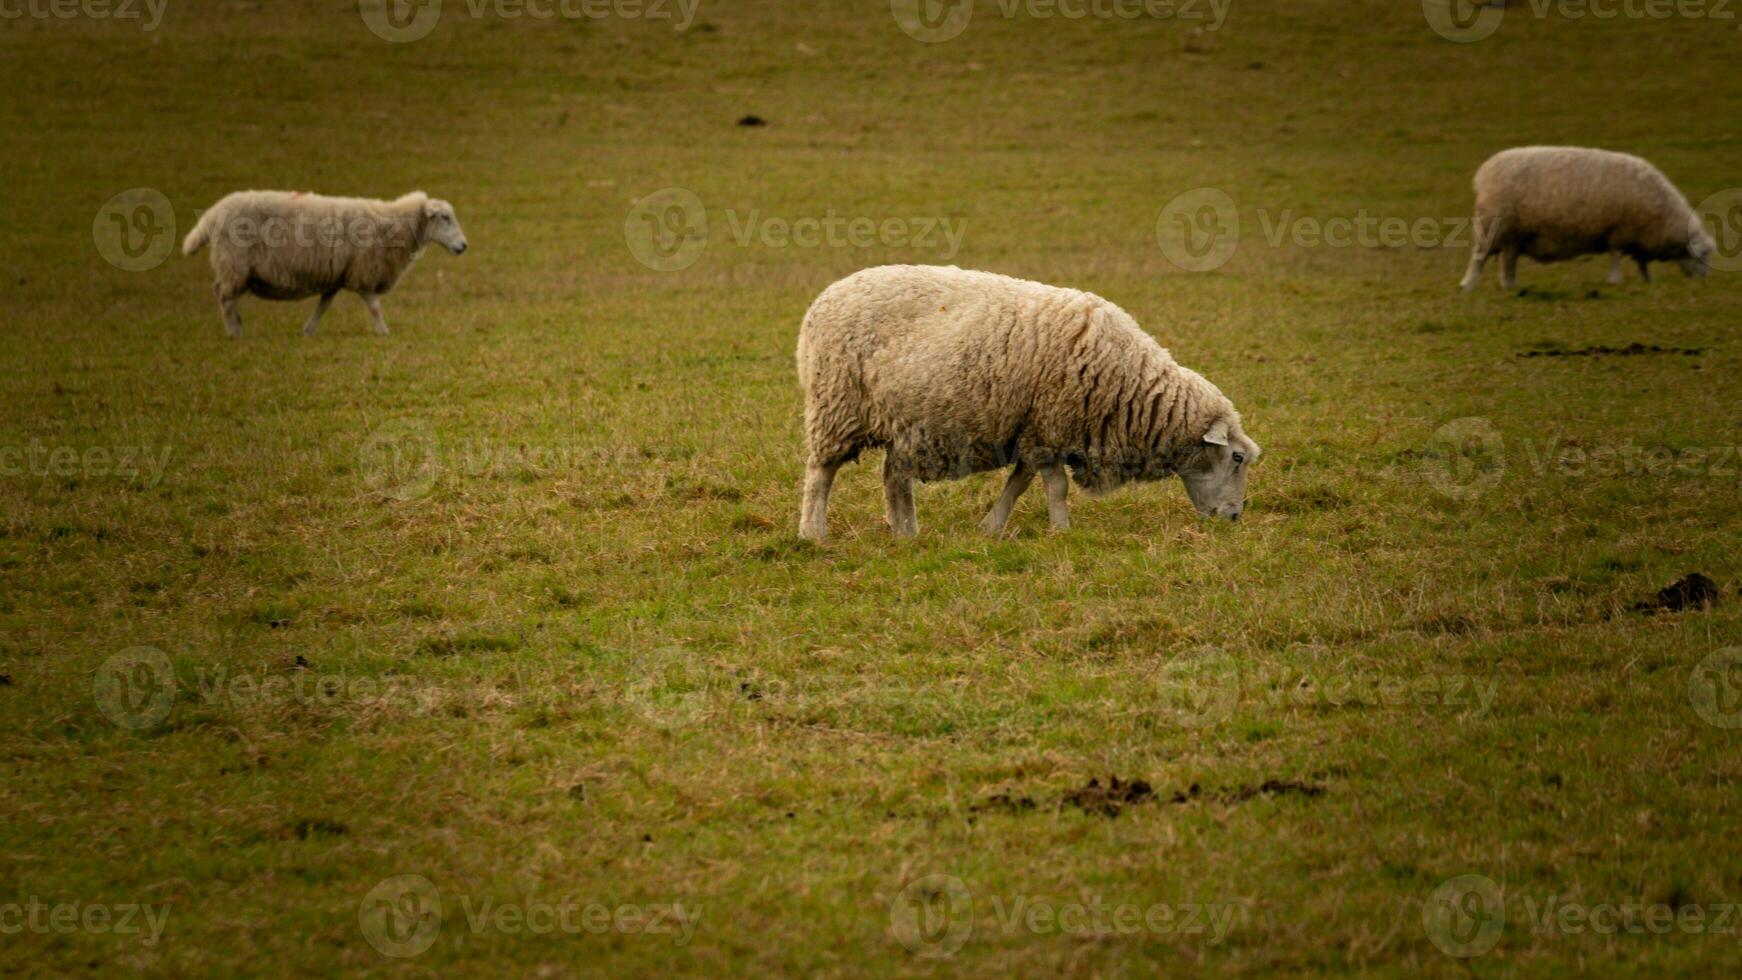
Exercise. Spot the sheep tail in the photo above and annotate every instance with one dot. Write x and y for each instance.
(201, 234)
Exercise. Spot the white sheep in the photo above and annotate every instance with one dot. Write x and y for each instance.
(1560, 202)
(282, 245)
(953, 372)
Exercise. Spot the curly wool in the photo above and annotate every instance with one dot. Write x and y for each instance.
(1553, 203)
(285, 245)
(956, 372)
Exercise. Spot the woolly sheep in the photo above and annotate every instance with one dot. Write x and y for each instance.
(1559, 202)
(285, 246)
(953, 372)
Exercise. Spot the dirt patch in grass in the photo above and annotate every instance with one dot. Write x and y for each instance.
(450, 646)
(1631, 350)
(1004, 802)
(317, 827)
(1272, 787)
(1110, 799)
(1695, 590)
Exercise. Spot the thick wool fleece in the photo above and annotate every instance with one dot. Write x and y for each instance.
(284, 245)
(1552, 203)
(956, 372)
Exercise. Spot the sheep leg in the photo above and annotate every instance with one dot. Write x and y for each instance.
(1020, 478)
(898, 499)
(1644, 269)
(1058, 483)
(1509, 268)
(227, 307)
(373, 301)
(813, 522)
(1614, 268)
(1473, 274)
(314, 320)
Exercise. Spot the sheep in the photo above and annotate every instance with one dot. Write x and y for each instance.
(1559, 202)
(282, 245)
(953, 372)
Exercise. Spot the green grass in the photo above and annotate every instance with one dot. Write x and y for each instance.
(513, 599)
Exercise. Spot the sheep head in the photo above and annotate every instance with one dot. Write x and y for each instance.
(1214, 472)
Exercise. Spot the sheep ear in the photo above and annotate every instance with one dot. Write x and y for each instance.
(1218, 434)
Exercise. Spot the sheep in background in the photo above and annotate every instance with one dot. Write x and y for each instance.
(1559, 202)
(285, 246)
(954, 372)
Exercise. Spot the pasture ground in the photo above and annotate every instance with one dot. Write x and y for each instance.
(512, 599)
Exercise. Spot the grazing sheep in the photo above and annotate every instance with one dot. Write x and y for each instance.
(1559, 202)
(283, 245)
(953, 372)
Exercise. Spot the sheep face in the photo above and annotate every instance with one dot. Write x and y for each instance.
(1701, 245)
(1215, 475)
(442, 227)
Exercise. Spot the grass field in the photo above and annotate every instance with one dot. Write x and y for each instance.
(512, 600)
